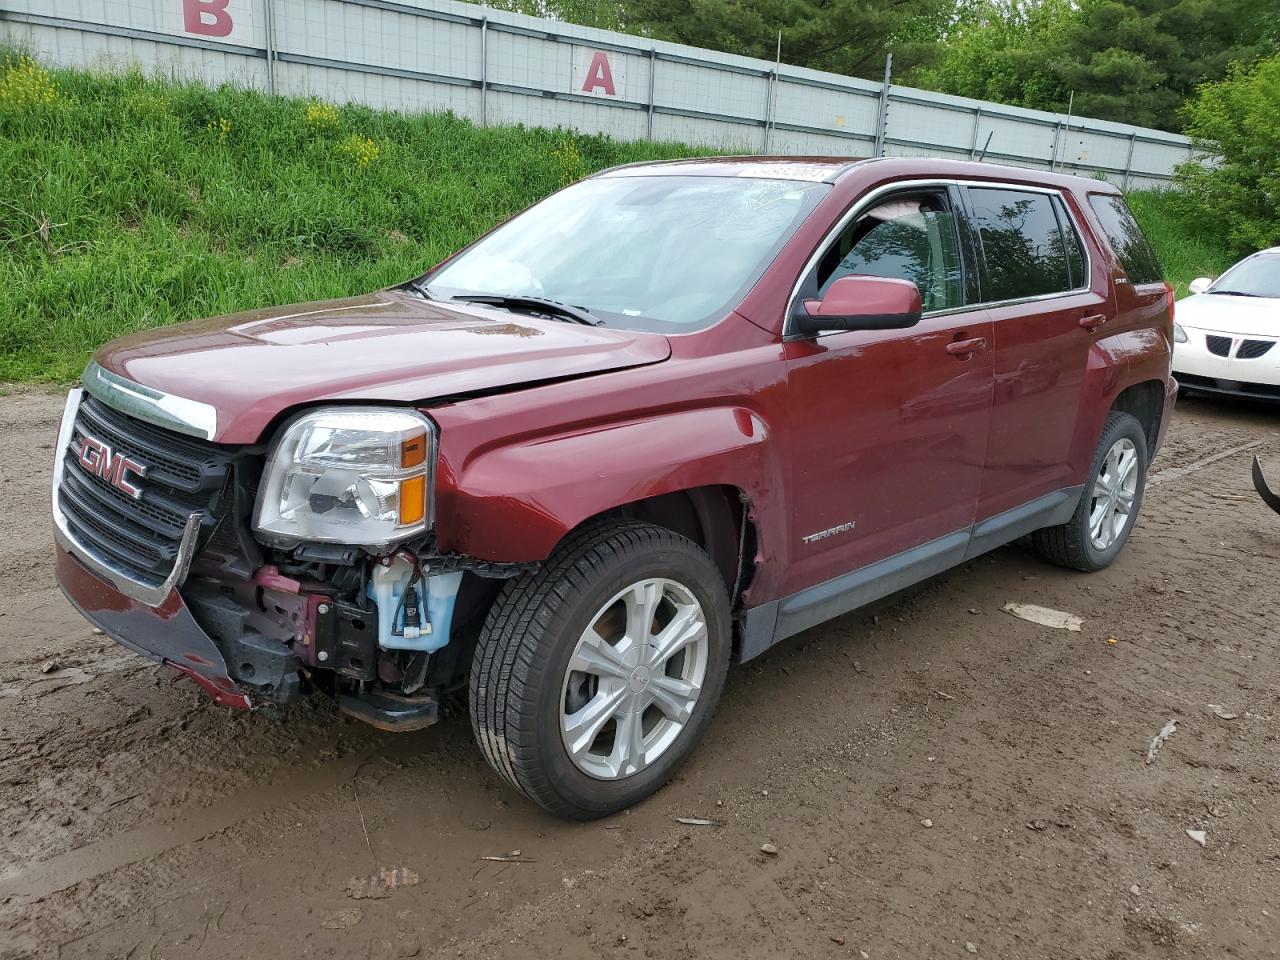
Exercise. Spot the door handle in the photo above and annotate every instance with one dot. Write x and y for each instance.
(962, 348)
(1092, 321)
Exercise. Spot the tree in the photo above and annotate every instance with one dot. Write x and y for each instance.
(841, 36)
(605, 14)
(999, 50)
(1237, 198)
(1137, 61)
(1134, 61)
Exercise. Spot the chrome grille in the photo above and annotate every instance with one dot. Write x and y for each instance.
(183, 477)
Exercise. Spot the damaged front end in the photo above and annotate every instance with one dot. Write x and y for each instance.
(162, 546)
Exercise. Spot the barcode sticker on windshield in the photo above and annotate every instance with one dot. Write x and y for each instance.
(787, 171)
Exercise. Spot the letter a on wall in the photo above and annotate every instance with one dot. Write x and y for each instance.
(598, 73)
(228, 21)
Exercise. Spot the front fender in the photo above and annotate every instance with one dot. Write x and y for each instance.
(516, 501)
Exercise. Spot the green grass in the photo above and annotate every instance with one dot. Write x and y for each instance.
(128, 203)
(155, 211)
(1184, 253)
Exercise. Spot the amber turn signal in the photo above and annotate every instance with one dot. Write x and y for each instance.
(413, 451)
(413, 500)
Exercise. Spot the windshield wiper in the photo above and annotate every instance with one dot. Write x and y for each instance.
(1236, 293)
(534, 305)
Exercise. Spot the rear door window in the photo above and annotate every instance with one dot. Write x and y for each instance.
(1127, 240)
(1022, 243)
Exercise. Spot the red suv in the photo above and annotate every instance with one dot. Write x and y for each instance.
(651, 426)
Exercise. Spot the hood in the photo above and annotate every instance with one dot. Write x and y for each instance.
(389, 346)
(1239, 316)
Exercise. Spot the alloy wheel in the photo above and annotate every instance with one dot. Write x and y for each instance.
(634, 679)
(1114, 490)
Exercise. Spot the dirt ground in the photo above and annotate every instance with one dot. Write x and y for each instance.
(940, 779)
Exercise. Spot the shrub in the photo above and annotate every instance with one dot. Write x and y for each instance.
(1237, 199)
(360, 150)
(220, 128)
(322, 116)
(25, 84)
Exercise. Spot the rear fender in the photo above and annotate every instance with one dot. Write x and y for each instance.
(515, 502)
(1115, 363)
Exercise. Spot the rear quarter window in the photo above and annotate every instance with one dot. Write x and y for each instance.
(1128, 243)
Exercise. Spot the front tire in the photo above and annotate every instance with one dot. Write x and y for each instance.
(1108, 508)
(595, 676)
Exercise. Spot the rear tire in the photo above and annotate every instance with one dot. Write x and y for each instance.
(1108, 508)
(581, 697)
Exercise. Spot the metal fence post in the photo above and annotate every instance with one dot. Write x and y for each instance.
(484, 71)
(768, 108)
(1128, 161)
(882, 122)
(269, 29)
(653, 68)
(973, 141)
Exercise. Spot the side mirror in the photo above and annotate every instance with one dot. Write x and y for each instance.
(860, 303)
(1199, 284)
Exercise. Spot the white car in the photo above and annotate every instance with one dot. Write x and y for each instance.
(1227, 331)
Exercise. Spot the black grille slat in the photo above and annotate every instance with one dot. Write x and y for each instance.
(160, 512)
(113, 507)
(141, 535)
(155, 558)
(1253, 349)
(1220, 346)
(174, 462)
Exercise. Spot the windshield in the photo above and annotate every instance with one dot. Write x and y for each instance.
(1258, 276)
(666, 253)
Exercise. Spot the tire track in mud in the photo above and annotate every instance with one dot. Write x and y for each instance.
(1177, 473)
(143, 843)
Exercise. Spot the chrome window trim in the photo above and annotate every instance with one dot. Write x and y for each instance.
(931, 183)
(151, 594)
(190, 417)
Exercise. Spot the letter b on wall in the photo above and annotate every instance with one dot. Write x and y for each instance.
(208, 17)
(230, 21)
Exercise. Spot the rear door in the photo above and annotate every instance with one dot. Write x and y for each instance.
(1037, 285)
(1141, 297)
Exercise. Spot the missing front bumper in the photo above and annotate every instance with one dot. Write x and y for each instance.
(165, 633)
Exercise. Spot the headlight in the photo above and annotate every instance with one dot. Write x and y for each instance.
(1179, 335)
(355, 475)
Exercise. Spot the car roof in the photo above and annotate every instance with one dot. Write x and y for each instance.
(833, 169)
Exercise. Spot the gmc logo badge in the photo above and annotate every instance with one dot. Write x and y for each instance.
(113, 467)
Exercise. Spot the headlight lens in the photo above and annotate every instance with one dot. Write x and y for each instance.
(1179, 335)
(354, 475)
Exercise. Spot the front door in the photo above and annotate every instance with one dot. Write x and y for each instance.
(888, 427)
